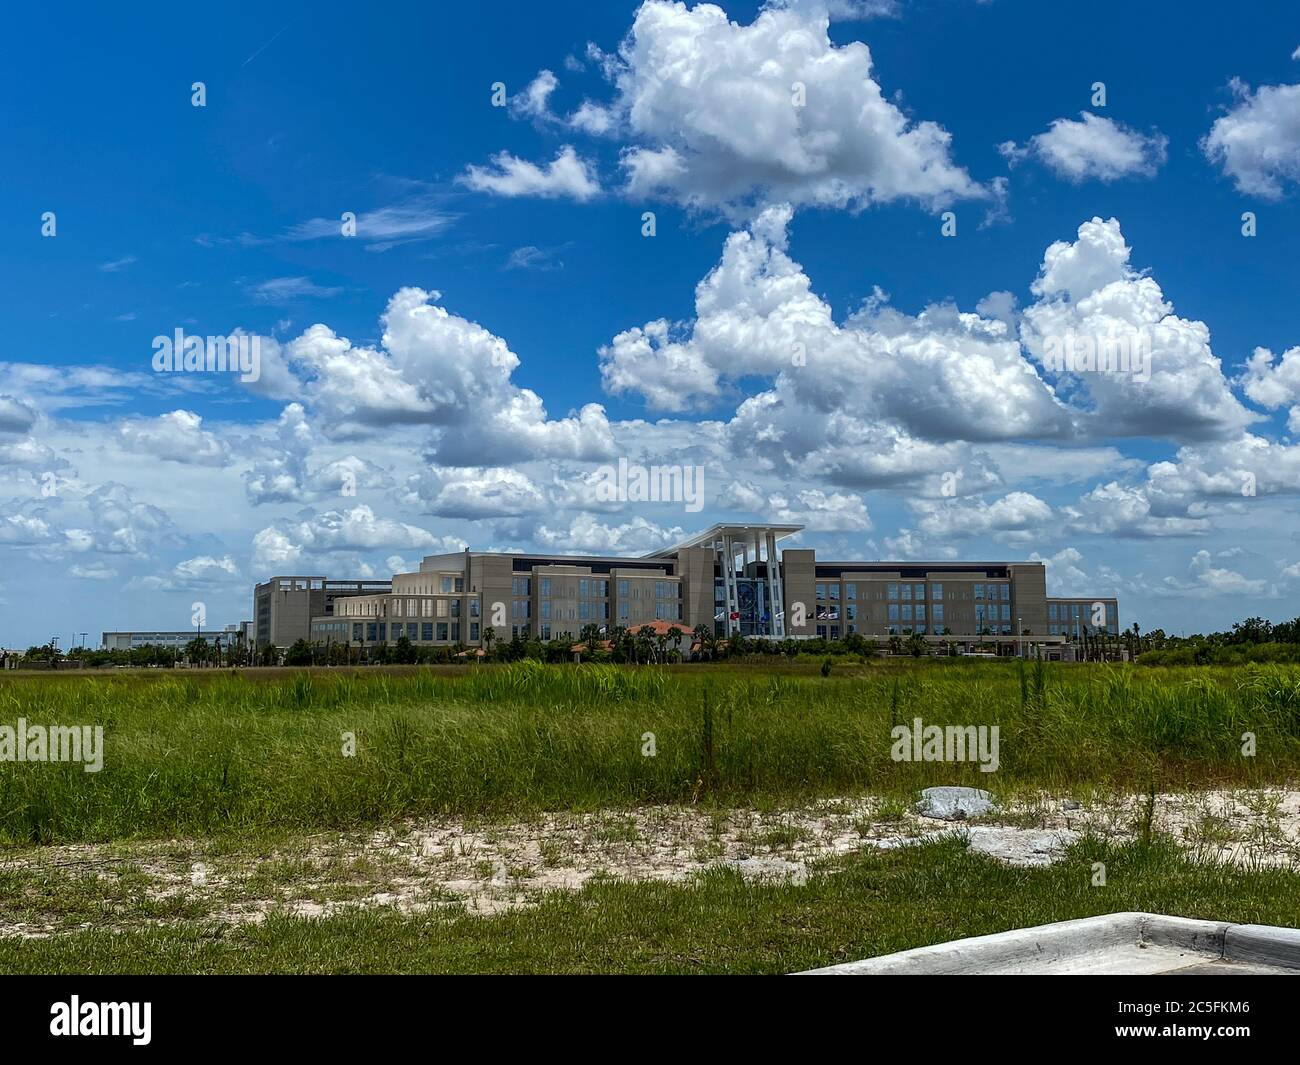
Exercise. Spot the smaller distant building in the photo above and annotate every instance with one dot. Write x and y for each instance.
(176, 639)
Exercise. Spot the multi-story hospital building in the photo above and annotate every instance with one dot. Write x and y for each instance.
(731, 578)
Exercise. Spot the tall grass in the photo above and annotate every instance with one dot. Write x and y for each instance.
(216, 754)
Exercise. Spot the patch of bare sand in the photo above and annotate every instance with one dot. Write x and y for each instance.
(485, 868)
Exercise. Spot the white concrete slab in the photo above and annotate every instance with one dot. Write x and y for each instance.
(1117, 943)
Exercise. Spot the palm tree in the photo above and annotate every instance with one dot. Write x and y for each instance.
(620, 643)
(197, 651)
(645, 642)
(489, 636)
(704, 634)
(675, 635)
(589, 637)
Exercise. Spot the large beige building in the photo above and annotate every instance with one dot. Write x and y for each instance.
(732, 578)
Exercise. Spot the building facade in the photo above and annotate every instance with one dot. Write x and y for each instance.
(175, 639)
(730, 579)
(283, 607)
(1071, 618)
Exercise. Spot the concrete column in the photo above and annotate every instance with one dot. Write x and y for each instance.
(765, 550)
(729, 576)
(733, 605)
(777, 586)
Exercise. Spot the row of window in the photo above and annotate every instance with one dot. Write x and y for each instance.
(380, 631)
(904, 592)
(1069, 611)
(593, 611)
(587, 610)
(670, 611)
(443, 584)
(1076, 628)
(915, 612)
(446, 585)
(897, 612)
(596, 588)
(426, 608)
(907, 592)
(396, 608)
(919, 627)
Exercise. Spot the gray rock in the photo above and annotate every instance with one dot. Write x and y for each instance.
(1023, 847)
(771, 868)
(955, 804)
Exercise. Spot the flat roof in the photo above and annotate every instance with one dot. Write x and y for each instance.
(160, 632)
(601, 564)
(949, 563)
(740, 531)
(325, 580)
(1082, 598)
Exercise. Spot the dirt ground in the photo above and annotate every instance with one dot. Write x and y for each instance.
(487, 867)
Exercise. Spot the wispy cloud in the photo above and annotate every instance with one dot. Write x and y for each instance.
(416, 218)
(114, 265)
(283, 289)
(385, 227)
(55, 388)
(531, 257)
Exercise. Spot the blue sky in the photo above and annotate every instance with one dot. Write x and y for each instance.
(126, 496)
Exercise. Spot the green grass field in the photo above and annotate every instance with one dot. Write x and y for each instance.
(252, 761)
(208, 754)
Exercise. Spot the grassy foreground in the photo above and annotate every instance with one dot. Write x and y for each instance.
(868, 904)
(216, 754)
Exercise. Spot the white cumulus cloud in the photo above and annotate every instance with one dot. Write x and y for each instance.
(567, 176)
(721, 114)
(1257, 142)
(1093, 148)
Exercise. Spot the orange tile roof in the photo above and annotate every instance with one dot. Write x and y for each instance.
(660, 628)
